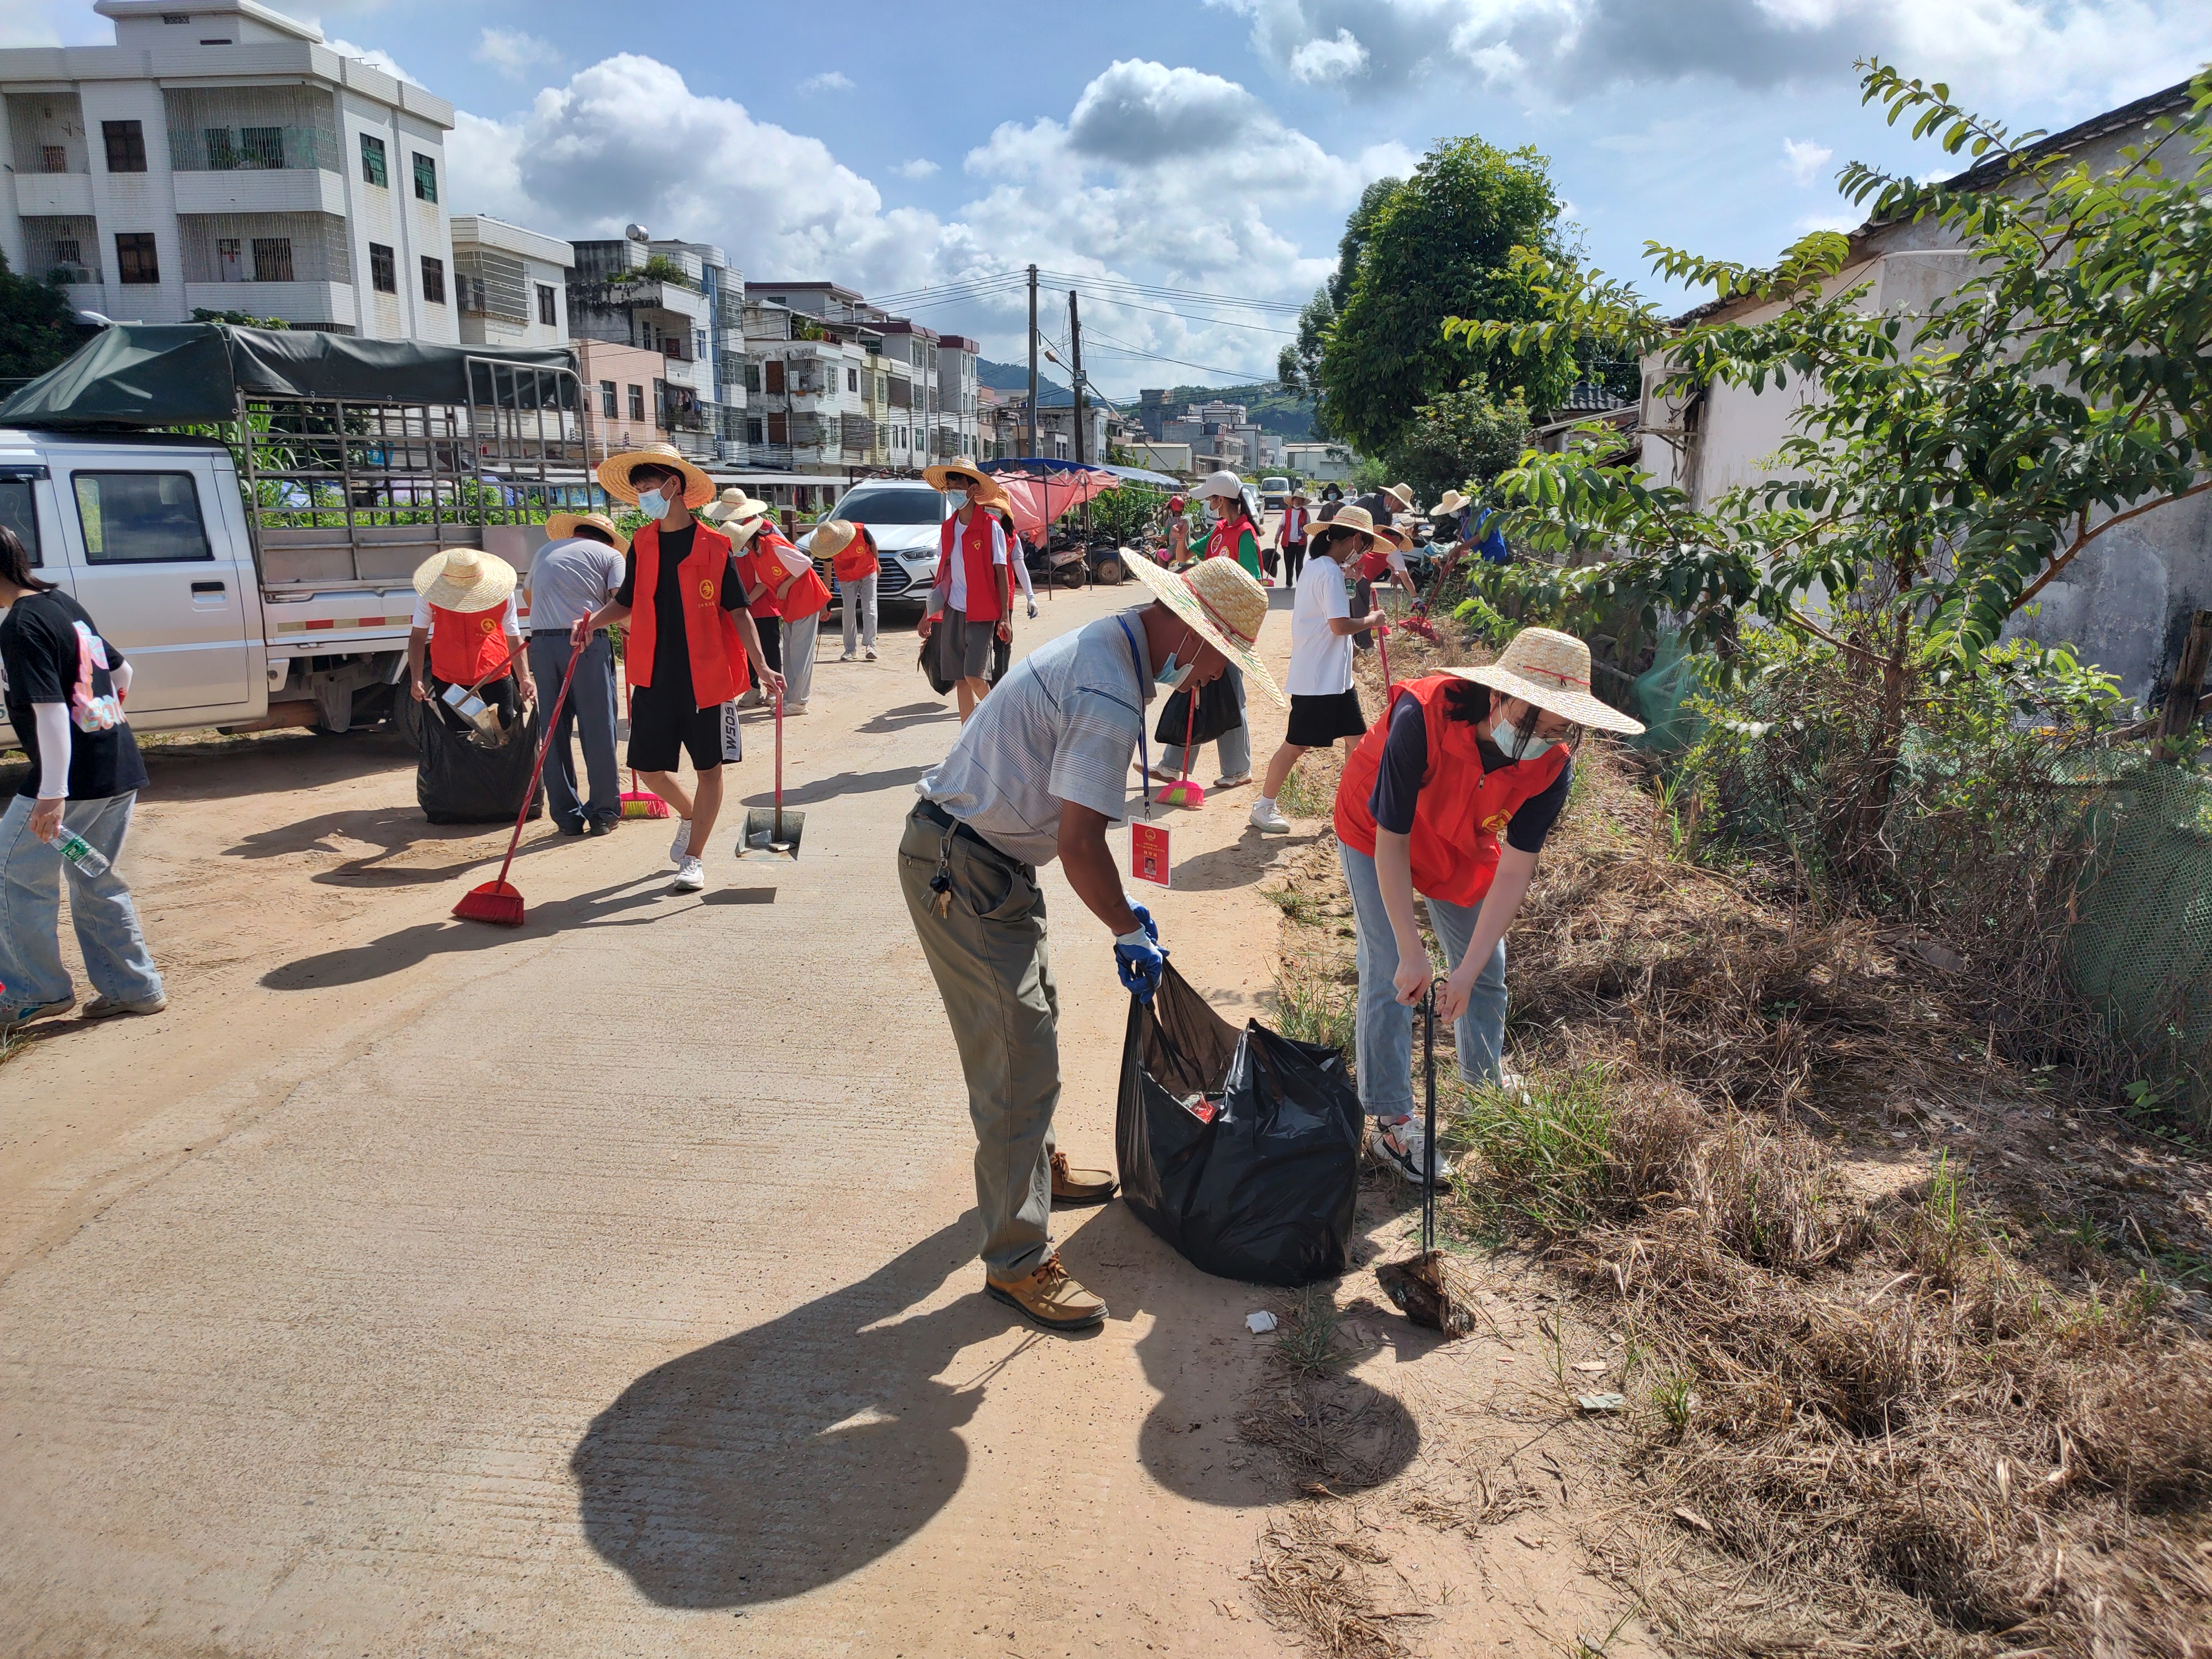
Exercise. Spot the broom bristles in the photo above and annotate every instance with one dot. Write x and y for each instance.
(645, 806)
(498, 902)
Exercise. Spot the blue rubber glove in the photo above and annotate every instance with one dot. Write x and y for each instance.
(1144, 920)
(1138, 959)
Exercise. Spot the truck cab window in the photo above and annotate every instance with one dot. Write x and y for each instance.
(140, 518)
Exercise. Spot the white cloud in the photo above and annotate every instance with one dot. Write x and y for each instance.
(1804, 158)
(1812, 222)
(920, 167)
(2080, 53)
(828, 81)
(1165, 175)
(375, 57)
(514, 53)
(1339, 59)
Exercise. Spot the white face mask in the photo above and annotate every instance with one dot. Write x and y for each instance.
(958, 497)
(1523, 743)
(653, 504)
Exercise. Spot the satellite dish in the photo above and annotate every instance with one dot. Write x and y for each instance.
(637, 233)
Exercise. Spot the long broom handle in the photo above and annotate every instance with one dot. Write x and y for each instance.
(1429, 1123)
(544, 743)
(778, 835)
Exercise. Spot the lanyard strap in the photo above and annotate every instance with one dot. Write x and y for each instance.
(1144, 754)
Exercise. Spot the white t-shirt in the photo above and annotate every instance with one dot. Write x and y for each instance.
(510, 619)
(958, 600)
(1321, 658)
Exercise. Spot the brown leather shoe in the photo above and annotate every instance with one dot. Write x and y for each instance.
(1079, 1186)
(1050, 1297)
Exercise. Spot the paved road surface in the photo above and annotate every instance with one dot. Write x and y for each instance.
(606, 1287)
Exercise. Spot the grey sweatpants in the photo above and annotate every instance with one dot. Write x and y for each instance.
(988, 956)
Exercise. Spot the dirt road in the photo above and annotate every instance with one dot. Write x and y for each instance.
(604, 1287)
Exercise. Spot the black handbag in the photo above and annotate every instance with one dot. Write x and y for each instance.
(1218, 712)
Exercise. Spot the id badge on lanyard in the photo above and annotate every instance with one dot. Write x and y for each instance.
(1148, 842)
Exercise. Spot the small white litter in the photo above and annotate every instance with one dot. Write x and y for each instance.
(1602, 1402)
(1259, 1323)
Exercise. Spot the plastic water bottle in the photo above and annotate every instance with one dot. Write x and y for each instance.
(89, 860)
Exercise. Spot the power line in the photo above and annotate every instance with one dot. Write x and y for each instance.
(1156, 291)
(1210, 322)
(1123, 348)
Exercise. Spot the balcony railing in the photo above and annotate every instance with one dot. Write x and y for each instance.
(252, 149)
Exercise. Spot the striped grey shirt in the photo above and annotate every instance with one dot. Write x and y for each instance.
(1062, 725)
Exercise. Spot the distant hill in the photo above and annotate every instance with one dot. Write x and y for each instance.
(1274, 409)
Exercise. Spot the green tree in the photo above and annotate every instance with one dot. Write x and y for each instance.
(1460, 440)
(1959, 458)
(1440, 245)
(237, 319)
(35, 324)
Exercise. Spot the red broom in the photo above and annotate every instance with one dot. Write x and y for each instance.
(638, 802)
(496, 900)
(1183, 791)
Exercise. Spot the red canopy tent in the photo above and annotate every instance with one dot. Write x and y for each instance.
(1036, 499)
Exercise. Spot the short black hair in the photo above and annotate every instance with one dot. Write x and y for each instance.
(15, 564)
(591, 533)
(659, 469)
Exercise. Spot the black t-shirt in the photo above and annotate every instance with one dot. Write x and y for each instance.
(1406, 757)
(671, 646)
(37, 663)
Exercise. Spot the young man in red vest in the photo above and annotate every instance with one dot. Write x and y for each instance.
(1461, 758)
(689, 639)
(971, 599)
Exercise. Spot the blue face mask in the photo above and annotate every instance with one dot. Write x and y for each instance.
(653, 504)
(1171, 674)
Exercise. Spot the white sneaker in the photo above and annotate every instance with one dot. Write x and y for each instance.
(690, 876)
(847, 657)
(752, 699)
(1267, 818)
(680, 848)
(794, 708)
(1403, 1147)
(871, 655)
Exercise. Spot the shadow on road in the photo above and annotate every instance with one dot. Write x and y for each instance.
(844, 783)
(912, 713)
(787, 1457)
(395, 953)
(394, 831)
(1240, 864)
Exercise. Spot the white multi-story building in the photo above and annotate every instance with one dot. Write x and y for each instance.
(680, 299)
(220, 157)
(510, 285)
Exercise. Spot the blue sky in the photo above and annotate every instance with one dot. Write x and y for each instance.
(1205, 145)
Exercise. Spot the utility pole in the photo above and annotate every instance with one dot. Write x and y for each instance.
(1033, 351)
(1075, 349)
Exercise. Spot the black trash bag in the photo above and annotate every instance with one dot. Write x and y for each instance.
(457, 783)
(1263, 1193)
(938, 664)
(1218, 712)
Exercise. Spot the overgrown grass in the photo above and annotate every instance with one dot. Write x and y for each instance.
(1299, 907)
(1313, 1008)
(1306, 1333)
(1309, 792)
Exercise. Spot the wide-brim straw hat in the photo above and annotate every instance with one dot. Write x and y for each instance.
(830, 538)
(1353, 517)
(614, 474)
(1223, 482)
(1397, 537)
(983, 488)
(1449, 503)
(462, 578)
(1551, 669)
(1221, 600)
(562, 526)
(1402, 494)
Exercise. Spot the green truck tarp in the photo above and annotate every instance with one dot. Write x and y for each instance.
(149, 375)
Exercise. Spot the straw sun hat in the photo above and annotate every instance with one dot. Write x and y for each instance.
(1402, 494)
(982, 488)
(830, 538)
(1355, 518)
(733, 503)
(1218, 598)
(1449, 503)
(1551, 669)
(562, 526)
(614, 474)
(462, 578)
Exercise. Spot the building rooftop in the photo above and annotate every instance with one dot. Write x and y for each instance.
(167, 14)
(486, 231)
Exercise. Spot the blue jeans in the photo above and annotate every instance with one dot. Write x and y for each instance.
(589, 713)
(30, 910)
(1235, 744)
(1384, 1027)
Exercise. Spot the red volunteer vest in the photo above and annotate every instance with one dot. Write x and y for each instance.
(974, 541)
(465, 646)
(1461, 809)
(809, 594)
(1374, 563)
(1294, 524)
(856, 562)
(718, 655)
(1222, 543)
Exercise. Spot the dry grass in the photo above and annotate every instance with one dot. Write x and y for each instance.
(1308, 1580)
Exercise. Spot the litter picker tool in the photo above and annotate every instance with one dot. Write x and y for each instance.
(1183, 792)
(496, 900)
(772, 829)
(638, 802)
(1428, 1289)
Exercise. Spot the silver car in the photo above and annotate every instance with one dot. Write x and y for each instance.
(903, 515)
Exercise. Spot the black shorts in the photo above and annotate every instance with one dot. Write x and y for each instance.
(1317, 722)
(664, 726)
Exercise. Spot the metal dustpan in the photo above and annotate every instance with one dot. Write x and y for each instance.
(774, 829)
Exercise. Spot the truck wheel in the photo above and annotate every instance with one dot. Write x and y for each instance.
(1108, 571)
(406, 716)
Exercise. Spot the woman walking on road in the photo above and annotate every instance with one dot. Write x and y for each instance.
(1463, 760)
(63, 688)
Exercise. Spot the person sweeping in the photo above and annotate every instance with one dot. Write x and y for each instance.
(1039, 774)
(689, 634)
(1451, 796)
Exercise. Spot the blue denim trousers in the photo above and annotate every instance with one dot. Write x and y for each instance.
(107, 922)
(1384, 1026)
(589, 713)
(1235, 744)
